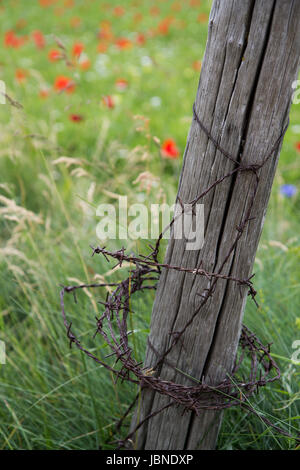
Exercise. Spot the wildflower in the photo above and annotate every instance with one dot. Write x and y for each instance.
(195, 3)
(169, 149)
(155, 101)
(105, 31)
(297, 145)
(146, 61)
(12, 40)
(46, 3)
(140, 39)
(39, 39)
(54, 55)
(108, 101)
(105, 34)
(76, 117)
(164, 26)
(121, 84)
(77, 49)
(20, 75)
(123, 43)
(288, 190)
(197, 65)
(119, 11)
(63, 83)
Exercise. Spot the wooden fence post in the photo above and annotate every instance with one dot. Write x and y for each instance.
(243, 98)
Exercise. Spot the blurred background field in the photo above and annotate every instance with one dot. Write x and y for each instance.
(99, 105)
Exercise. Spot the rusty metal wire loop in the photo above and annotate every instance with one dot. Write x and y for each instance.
(112, 324)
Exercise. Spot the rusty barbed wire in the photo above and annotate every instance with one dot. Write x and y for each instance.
(112, 324)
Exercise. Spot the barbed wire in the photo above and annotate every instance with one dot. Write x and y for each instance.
(144, 274)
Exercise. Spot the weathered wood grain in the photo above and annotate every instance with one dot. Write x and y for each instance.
(243, 97)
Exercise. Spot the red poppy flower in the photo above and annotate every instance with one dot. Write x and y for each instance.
(76, 117)
(140, 39)
(164, 26)
(119, 11)
(9, 39)
(108, 101)
(20, 75)
(77, 49)
(169, 149)
(39, 39)
(197, 65)
(105, 34)
(123, 43)
(297, 145)
(105, 31)
(12, 40)
(63, 83)
(46, 3)
(121, 84)
(54, 55)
